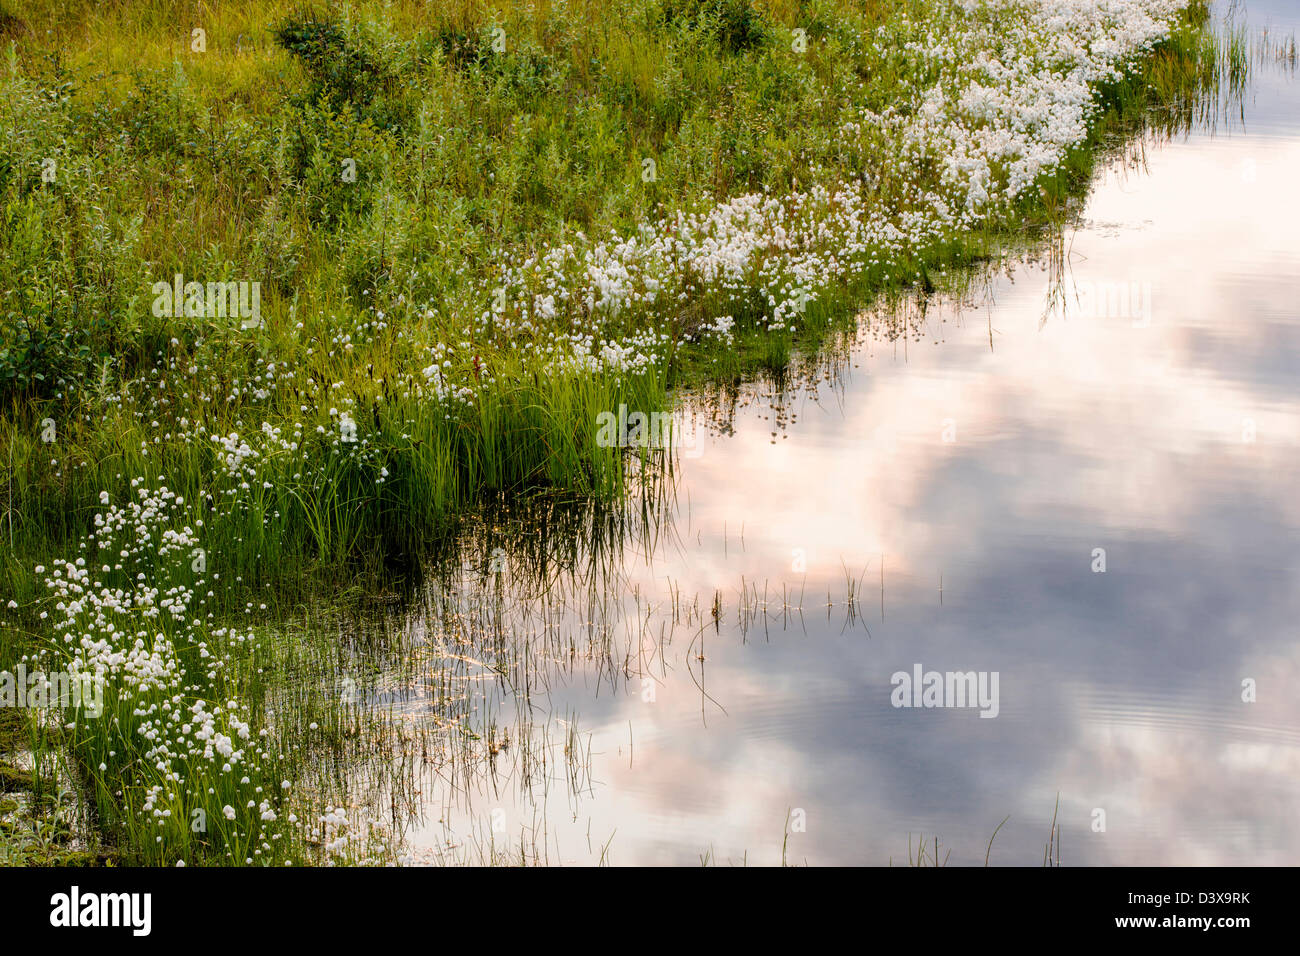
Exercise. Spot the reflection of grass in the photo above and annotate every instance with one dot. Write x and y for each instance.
(927, 852)
(448, 679)
(927, 856)
(40, 824)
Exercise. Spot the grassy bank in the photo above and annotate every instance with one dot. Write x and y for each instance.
(473, 229)
(440, 232)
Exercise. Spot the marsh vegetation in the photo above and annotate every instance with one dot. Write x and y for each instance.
(474, 230)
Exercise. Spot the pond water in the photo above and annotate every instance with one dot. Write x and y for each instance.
(710, 676)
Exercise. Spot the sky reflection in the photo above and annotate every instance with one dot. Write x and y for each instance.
(1172, 444)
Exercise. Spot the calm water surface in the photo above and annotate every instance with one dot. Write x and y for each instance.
(935, 498)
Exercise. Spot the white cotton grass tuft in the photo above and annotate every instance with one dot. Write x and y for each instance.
(126, 625)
